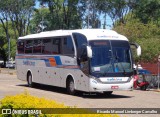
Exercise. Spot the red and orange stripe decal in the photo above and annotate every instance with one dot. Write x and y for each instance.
(52, 62)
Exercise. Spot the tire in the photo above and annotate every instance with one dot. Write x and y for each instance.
(144, 87)
(108, 92)
(29, 80)
(70, 86)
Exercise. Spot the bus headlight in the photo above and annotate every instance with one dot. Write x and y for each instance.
(129, 79)
(95, 80)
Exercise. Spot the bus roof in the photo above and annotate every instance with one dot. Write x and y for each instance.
(91, 34)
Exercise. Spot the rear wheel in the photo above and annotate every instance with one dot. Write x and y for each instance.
(71, 86)
(29, 79)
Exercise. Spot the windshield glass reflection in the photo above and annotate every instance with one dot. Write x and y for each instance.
(110, 56)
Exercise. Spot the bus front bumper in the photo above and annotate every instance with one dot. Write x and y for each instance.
(101, 87)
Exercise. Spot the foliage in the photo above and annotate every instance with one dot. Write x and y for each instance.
(116, 9)
(3, 53)
(142, 26)
(139, 20)
(41, 20)
(15, 18)
(4, 43)
(63, 14)
(147, 35)
(25, 100)
(147, 11)
(19, 13)
(92, 13)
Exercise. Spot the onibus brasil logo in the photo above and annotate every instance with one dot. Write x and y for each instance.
(20, 111)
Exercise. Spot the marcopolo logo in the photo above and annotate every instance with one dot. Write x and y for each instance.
(6, 111)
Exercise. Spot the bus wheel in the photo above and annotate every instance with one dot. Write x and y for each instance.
(108, 92)
(29, 79)
(70, 86)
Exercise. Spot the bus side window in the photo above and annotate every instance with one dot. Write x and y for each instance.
(37, 46)
(56, 46)
(81, 42)
(20, 46)
(46, 46)
(67, 46)
(28, 46)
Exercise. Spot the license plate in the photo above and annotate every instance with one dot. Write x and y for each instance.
(114, 87)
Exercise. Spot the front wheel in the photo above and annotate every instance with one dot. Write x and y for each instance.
(108, 92)
(71, 87)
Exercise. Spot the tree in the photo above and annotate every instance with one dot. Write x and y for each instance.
(20, 12)
(41, 20)
(148, 10)
(147, 35)
(63, 14)
(92, 17)
(3, 45)
(4, 18)
(115, 9)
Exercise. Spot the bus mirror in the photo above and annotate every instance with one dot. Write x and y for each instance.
(138, 48)
(89, 52)
(139, 51)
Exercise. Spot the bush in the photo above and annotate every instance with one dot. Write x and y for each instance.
(29, 102)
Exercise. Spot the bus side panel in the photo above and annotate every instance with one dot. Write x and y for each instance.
(43, 73)
(21, 70)
(80, 79)
(48, 76)
(71, 68)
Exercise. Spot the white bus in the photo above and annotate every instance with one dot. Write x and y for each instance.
(89, 60)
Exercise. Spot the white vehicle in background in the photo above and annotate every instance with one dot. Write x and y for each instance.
(90, 60)
(10, 64)
(1, 63)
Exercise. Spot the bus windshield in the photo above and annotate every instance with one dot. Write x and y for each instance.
(110, 56)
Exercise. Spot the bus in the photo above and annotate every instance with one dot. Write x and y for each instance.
(88, 60)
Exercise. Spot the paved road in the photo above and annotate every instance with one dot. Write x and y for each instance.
(9, 85)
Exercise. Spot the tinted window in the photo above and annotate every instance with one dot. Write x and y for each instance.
(20, 46)
(121, 50)
(117, 43)
(67, 47)
(56, 46)
(28, 46)
(46, 46)
(81, 42)
(101, 52)
(51, 46)
(37, 45)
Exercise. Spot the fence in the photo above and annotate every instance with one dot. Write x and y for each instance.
(152, 79)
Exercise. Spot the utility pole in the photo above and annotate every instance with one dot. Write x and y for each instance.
(158, 70)
(9, 49)
(104, 25)
(9, 46)
(42, 21)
